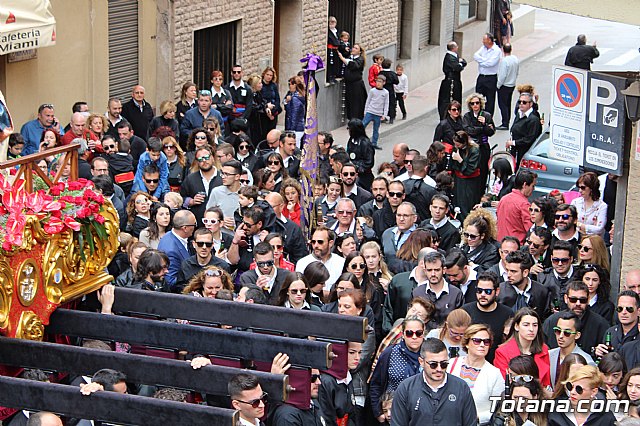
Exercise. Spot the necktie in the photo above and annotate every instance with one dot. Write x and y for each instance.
(521, 302)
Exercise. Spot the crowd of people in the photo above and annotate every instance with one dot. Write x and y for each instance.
(470, 290)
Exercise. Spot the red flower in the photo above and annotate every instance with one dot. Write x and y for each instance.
(54, 225)
(83, 213)
(71, 223)
(6, 246)
(56, 189)
(75, 185)
(15, 228)
(100, 219)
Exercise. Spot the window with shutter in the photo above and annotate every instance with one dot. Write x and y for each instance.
(424, 35)
(123, 47)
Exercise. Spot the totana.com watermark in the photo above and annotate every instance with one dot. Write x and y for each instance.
(520, 405)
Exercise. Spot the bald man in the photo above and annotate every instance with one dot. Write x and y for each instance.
(632, 281)
(44, 418)
(400, 151)
(294, 241)
(78, 130)
(138, 112)
(175, 245)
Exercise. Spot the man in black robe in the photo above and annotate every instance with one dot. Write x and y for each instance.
(451, 86)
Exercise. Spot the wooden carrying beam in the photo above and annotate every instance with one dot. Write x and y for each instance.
(108, 406)
(139, 369)
(193, 338)
(247, 315)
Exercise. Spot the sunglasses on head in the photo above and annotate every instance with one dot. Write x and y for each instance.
(522, 379)
(411, 333)
(629, 309)
(434, 364)
(476, 341)
(204, 243)
(213, 272)
(584, 248)
(487, 291)
(567, 333)
(358, 265)
(151, 180)
(210, 221)
(569, 386)
(335, 179)
(565, 216)
(298, 290)
(265, 264)
(582, 300)
(255, 403)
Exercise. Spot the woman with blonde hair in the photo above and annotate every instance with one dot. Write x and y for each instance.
(98, 124)
(452, 332)
(176, 161)
(478, 124)
(593, 250)
(483, 379)
(378, 270)
(208, 282)
(188, 96)
(478, 241)
(167, 118)
(582, 385)
(271, 94)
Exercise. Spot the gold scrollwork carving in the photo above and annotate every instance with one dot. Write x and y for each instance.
(30, 326)
(6, 290)
(27, 285)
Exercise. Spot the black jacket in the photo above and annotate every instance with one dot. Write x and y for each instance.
(191, 185)
(477, 131)
(288, 415)
(557, 286)
(593, 329)
(485, 256)
(447, 128)
(241, 97)
(362, 154)
(618, 338)
(295, 243)
(383, 219)
(190, 267)
(449, 236)
(361, 197)
(139, 119)
(595, 419)
(251, 277)
(539, 299)
(581, 56)
(524, 132)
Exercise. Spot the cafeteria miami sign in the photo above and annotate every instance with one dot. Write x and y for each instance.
(26, 24)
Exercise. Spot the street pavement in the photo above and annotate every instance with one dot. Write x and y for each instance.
(538, 52)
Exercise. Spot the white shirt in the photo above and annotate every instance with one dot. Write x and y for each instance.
(439, 224)
(244, 422)
(184, 241)
(334, 264)
(508, 71)
(403, 84)
(272, 278)
(488, 59)
(527, 291)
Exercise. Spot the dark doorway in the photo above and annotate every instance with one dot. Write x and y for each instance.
(214, 48)
(345, 12)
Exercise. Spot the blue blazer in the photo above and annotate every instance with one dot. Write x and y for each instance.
(176, 252)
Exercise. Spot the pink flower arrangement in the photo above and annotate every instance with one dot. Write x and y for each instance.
(68, 205)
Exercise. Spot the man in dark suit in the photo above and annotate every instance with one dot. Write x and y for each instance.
(521, 291)
(287, 151)
(202, 244)
(525, 128)
(458, 273)
(507, 245)
(138, 112)
(175, 244)
(581, 55)
(266, 275)
(246, 237)
(192, 190)
(248, 398)
(451, 86)
(560, 274)
(359, 195)
(295, 244)
(538, 246)
(447, 232)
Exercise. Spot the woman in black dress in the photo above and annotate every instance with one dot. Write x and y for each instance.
(478, 124)
(451, 124)
(361, 153)
(465, 162)
(355, 90)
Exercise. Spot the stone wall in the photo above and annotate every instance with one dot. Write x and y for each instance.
(256, 31)
(378, 23)
(315, 14)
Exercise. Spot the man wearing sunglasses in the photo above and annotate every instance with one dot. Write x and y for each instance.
(288, 415)
(349, 175)
(385, 218)
(538, 247)
(160, 182)
(521, 291)
(567, 331)
(321, 243)
(525, 129)
(627, 329)
(248, 234)
(487, 310)
(202, 244)
(433, 397)
(560, 274)
(248, 398)
(197, 186)
(266, 275)
(566, 219)
(408, 165)
(226, 195)
(577, 301)
(241, 94)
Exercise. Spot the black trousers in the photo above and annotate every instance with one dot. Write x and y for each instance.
(505, 94)
(400, 102)
(488, 85)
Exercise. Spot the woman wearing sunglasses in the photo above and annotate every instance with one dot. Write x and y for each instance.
(582, 385)
(208, 282)
(570, 364)
(244, 152)
(355, 263)
(138, 213)
(275, 164)
(592, 211)
(597, 281)
(453, 331)
(541, 212)
(198, 138)
(176, 161)
(525, 338)
(478, 237)
(483, 378)
(593, 250)
(295, 293)
(213, 221)
(159, 223)
(478, 123)
(448, 127)
(396, 363)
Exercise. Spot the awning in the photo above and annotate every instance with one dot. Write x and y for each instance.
(26, 24)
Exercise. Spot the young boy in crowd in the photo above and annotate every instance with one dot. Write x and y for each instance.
(345, 50)
(376, 108)
(375, 69)
(155, 155)
(121, 166)
(401, 89)
(392, 80)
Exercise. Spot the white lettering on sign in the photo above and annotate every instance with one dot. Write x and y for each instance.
(601, 138)
(595, 98)
(602, 158)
